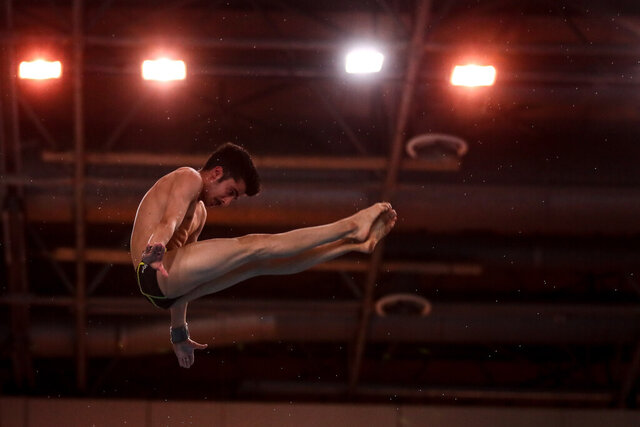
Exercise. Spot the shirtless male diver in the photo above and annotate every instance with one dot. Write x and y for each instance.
(173, 267)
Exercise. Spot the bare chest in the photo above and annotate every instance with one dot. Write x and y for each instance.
(189, 225)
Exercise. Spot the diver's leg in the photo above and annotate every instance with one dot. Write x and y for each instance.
(291, 265)
(200, 262)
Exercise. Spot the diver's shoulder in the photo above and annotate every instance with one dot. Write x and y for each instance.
(187, 173)
(186, 170)
(188, 179)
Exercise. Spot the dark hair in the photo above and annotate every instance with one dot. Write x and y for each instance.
(237, 164)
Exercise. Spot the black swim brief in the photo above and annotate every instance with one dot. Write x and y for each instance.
(148, 285)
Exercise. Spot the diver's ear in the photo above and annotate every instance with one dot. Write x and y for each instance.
(217, 172)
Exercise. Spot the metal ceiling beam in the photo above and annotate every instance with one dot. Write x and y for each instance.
(222, 43)
(406, 100)
(14, 246)
(21, 180)
(13, 222)
(250, 321)
(533, 49)
(620, 79)
(117, 256)
(521, 210)
(370, 163)
(337, 45)
(14, 157)
(4, 138)
(479, 315)
(79, 195)
(601, 255)
(457, 395)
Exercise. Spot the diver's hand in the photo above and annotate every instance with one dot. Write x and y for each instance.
(153, 255)
(184, 351)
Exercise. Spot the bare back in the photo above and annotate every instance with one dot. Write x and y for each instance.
(155, 204)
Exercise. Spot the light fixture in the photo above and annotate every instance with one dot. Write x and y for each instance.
(472, 75)
(363, 61)
(164, 69)
(40, 70)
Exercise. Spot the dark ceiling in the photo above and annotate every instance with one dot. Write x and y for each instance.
(526, 247)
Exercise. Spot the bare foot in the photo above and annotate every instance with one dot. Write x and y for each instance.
(380, 228)
(365, 218)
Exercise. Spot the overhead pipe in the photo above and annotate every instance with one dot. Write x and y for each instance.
(331, 163)
(117, 256)
(597, 256)
(269, 321)
(451, 394)
(438, 208)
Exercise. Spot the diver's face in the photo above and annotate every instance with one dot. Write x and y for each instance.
(219, 191)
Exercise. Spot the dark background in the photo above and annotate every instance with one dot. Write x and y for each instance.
(526, 248)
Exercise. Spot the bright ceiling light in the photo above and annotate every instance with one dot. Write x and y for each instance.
(163, 69)
(40, 70)
(473, 75)
(364, 61)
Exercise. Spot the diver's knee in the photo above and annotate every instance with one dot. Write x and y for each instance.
(256, 247)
